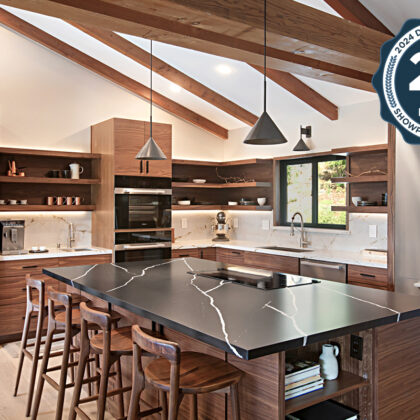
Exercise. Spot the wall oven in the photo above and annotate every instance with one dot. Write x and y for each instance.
(142, 203)
(144, 245)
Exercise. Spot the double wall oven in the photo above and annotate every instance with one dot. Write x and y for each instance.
(142, 218)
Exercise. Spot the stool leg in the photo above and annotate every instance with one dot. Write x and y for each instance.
(24, 341)
(37, 346)
(120, 397)
(84, 356)
(194, 409)
(44, 366)
(234, 395)
(63, 373)
(72, 361)
(103, 387)
(164, 404)
(137, 385)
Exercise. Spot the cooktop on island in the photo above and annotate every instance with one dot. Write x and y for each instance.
(259, 279)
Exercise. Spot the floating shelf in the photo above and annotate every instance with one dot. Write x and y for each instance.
(44, 207)
(221, 207)
(210, 163)
(45, 180)
(360, 179)
(346, 382)
(361, 149)
(48, 153)
(220, 185)
(361, 209)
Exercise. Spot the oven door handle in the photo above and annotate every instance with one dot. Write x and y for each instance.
(143, 191)
(132, 247)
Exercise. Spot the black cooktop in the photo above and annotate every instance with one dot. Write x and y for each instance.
(259, 279)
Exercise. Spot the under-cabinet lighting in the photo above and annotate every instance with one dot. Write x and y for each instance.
(16, 214)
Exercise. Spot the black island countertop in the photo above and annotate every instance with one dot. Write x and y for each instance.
(245, 321)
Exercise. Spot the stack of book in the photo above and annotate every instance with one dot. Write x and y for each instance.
(302, 377)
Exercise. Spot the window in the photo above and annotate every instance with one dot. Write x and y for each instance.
(305, 186)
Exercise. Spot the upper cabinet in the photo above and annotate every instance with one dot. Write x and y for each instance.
(124, 138)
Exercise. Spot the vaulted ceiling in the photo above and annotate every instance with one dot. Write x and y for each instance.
(232, 94)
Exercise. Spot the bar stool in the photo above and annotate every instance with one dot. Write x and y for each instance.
(67, 321)
(179, 373)
(35, 303)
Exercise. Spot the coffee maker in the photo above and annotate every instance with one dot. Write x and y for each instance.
(12, 237)
(221, 227)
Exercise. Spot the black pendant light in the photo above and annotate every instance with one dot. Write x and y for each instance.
(265, 130)
(151, 150)
(301, 146)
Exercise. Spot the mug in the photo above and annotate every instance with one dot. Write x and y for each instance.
(54, 173)
(23, 202)
(66, 173)
(77, 201)
(76, 170)
(2, 202)
(12, 202)
(58, 201)
(68, 201)
(50, 201)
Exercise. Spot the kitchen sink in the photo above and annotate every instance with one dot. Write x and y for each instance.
(76, 249)
(283, 248)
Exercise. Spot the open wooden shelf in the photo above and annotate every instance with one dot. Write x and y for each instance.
(361, 209)
(210, 163)
(346, 382)
(45, 180)
(220, 185)
(221, 207)
(361, 149)
(48, 153)
(44, 207)
(360, 179)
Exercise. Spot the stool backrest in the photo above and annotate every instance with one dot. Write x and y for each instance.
(38, 285)
(161, 348)
(61, 299)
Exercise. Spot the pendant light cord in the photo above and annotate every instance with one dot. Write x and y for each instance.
(151, 85)
(265, 55)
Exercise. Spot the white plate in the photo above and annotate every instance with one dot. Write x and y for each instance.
(199, 181)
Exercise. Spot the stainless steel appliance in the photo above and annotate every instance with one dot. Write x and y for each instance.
(144, 245)
(12, 237)
(221, 227)
(323, 270)
(142, 203)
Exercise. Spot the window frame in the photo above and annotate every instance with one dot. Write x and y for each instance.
(283, 190)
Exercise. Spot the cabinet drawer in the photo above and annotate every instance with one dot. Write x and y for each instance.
(288, 265)
(230, 256)
(367, 276)
(208, 254)
(23, 267)
(12, 317)
(184, 253)
(85, 260)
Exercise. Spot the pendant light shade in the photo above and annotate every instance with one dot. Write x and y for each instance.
(265, 130)
(151, 150)
(301, 146)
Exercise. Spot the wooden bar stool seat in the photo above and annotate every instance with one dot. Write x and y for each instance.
(76, 318)
(198, 373)
(178, 374)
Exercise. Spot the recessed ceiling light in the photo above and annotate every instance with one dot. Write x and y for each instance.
(175, 88)
(224, 69)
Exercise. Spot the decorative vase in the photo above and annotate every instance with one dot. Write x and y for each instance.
(328, 361)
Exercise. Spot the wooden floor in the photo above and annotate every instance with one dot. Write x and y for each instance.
(13, 408)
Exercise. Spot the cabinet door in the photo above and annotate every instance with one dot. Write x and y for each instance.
(162, 134)
(208, 254)
(230, 256)
(289, 265)
(85, 260)
(129, 139)
(367, 276)
(184, 253)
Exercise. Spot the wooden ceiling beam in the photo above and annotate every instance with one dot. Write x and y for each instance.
(302, 91)
(354, 11)
(142, 57)
(30, 31)
(191, 27)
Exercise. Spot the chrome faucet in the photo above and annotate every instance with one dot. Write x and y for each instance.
(72, 235)
(303, 242)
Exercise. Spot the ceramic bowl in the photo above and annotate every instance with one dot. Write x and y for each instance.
(199, 181)
(261, 201)
(355, 200)
(184, 202)
(232, 203)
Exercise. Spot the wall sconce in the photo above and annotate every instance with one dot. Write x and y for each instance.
(301, 146)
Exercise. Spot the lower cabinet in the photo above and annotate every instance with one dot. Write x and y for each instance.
(184, 253)
(289, 265)
(13, 288)
(367, 276)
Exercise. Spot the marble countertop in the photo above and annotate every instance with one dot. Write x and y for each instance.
(338, 256)
(56, 253)
(241, 320)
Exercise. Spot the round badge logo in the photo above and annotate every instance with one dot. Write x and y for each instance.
(397, 81)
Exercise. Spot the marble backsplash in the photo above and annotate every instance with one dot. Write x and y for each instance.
(52, 228)
(257, 226)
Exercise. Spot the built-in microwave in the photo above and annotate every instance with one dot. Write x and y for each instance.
(144, 245)
(142, 203)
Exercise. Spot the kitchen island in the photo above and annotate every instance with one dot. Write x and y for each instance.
(257, 330)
